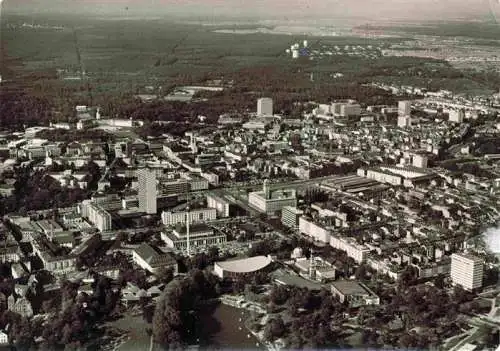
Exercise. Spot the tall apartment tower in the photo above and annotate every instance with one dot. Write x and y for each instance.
(265, 107)
(147, 190)
(404, 108)
(467, 271)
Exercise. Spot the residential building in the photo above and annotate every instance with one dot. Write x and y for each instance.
(4, 338)
(467, 271)
(265, 107)
(404, 121)
(147, 190)
(97, 215)
(356, 251)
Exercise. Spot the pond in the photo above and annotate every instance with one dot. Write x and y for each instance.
(223, 327)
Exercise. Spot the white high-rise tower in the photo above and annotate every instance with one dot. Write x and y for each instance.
(147, 190)
(265, 107)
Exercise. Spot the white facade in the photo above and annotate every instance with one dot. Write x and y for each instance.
(348, 110)
(220, 205)
(404, 121)
(4, 338)
(384, 177)
(96, 215)
(201, 215)
(404, 108)
(265, 107)
(147, 190)
(456, 116)
(467, 271)
(274, 202)
(419, 161)
(309, 228)
(354, 250)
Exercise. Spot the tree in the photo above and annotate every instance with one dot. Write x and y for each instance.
(274, 329)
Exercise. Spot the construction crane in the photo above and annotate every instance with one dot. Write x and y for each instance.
(83, 75)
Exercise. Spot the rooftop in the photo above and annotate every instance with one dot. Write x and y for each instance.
(245, 265)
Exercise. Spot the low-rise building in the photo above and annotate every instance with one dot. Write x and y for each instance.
(152, 259)
(355, 294)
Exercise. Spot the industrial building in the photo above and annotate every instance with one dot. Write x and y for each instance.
(269, 202)
(467, 271)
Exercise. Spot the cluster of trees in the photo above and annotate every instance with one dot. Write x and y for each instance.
(68, 136)
(19, 109)
(35, 190)
(175, 319)
(316, 318)
(73, 321)
(416, 317)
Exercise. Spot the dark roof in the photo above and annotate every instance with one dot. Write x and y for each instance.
(153, 257)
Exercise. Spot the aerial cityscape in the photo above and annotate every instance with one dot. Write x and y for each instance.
(181, 176)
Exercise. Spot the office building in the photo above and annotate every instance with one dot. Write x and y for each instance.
(269, 202)
(404, 121)
(220, 205)
(467, 271)
(456, 116)
(404, 108)
(265, 107)
(290, 216)
(200, 215)
(147, 190)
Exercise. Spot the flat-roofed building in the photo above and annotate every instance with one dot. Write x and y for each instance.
(199, 215)
(200, 236)
(467, 271)
(147, 190)
(220, 204)
(269, 202)
(355, 294)
(290, 216)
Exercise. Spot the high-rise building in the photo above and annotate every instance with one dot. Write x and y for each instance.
(265, 107)
(147, 190)
(467, 271)
(290, 216)
(456, 116)
(404, 108)
(404, 121)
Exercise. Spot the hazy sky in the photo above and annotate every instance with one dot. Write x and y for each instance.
(375, 9)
